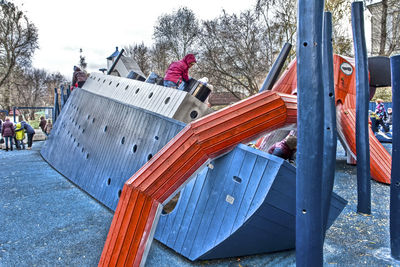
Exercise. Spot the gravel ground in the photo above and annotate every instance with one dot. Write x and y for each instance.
(47, 221)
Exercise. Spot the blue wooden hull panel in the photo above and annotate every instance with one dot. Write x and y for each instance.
(244, 205)
(98, 143)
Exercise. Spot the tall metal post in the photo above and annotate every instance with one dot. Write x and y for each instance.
(362, 102)
(310, 123)
(330, 136)
(395, 175)
(276, 68)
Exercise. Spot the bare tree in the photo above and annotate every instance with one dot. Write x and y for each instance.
(32, 87)
(177, 31)
(141, 54)
(385, 24)
(232, 54)
(278, 18)
(159, 58)
(341, 16)
(18, 41)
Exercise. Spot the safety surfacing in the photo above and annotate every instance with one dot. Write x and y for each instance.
(48, 221)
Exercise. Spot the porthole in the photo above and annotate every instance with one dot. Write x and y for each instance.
(149, 156)
(194, 114)
(137, 91)
(170, 206)
(151, 94)
(167, 100)
(123, 140)
(105, 128)
(126, 88)
(134, 149)
(109, 181)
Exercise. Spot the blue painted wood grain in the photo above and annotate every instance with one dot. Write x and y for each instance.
(260, 219)
(93, 142)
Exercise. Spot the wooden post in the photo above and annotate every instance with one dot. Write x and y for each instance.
(395, 175)
(310, 123)
(330, 135)
(362, 104)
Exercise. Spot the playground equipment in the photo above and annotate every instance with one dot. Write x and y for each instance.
(345, 96)
(142, 129)
(123, 146)
(117, 152)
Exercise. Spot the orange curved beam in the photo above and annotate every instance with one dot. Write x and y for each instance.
(137, 213)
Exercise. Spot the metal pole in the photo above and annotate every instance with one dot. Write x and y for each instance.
(362, 104)
(395, 175)
(330, 136)
(310, 122)
(276, 68)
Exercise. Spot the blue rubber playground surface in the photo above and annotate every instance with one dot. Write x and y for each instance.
(45, 220)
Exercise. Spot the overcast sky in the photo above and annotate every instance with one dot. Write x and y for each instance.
(99, 26)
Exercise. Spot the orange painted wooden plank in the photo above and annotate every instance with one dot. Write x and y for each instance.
(125, 199)
(144, 246)
(128, 223)
(133, 241)
(139, 208)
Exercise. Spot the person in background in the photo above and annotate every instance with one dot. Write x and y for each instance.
(7, 131)
(178, 71)
(30, 132)
(285, 149)
(381, 113)
(20, 136)
(389, 119)
(48, 127)
(42, 124)
(78, 77)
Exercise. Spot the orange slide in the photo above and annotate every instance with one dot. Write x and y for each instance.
(345, 97)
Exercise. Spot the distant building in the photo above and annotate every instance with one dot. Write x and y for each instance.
(392, 45)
